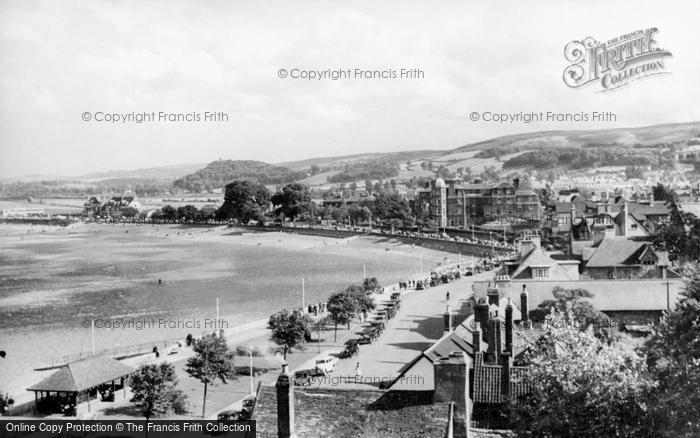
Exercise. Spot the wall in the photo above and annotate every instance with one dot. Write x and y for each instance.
(435, 244)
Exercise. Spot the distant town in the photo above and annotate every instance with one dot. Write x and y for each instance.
(561, 300)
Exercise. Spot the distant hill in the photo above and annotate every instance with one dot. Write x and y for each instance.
(221, 172)
(556, 151)
(161, 172)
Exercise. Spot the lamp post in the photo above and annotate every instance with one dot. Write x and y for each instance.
(250, 353)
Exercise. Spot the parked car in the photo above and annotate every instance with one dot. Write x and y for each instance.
(231, 414)
(351, 349)
(419, 285)
(249, 402)
(325, 365)
(304, 377)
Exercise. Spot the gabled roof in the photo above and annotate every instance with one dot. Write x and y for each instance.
(641, 211)
(619, 251)
(83, 374)
(537, 257)
(340, 413)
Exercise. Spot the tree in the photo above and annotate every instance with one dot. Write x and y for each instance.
(580, 386)
(169, 213)
(315, 170)
(293, 200)
(290, 329)
(662, 193)
(129, 212)
(574, 303)
(213, 360)
(154, 390)
(673, 355)
(341, 308)
(371, 285)
(389, 206)
(244, 201)
(187, 213)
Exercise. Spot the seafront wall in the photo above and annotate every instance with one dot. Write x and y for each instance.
(451, 246)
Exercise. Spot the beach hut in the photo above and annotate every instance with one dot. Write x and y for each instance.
(80, 381)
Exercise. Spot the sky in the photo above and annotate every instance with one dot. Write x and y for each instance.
(62, 59)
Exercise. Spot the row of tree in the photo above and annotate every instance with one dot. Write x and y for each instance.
(247, 201)
(292, 329)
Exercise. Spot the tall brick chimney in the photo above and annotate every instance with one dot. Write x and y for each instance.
(452, 385)
(509, 327)
(625, 219)
(481, 313)
(493, 338)
(476, 337)
(285, 404)
(524, 306)
(447, 320)
(506, 364)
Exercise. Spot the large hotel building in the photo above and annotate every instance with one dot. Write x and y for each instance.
(454, 204)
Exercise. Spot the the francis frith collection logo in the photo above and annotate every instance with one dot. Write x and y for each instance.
(616, 62)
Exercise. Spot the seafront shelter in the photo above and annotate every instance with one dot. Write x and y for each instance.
(80, 381)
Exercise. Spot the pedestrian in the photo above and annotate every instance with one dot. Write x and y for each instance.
(160, 282)
(448, 296)
(156, 352)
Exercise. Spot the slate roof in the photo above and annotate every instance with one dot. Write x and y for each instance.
(83, 374)
(341, 413)
(538, 258)
(641, 211)
(487, 382)
(622, 251)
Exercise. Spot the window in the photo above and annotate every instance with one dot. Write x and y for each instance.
(541, 273)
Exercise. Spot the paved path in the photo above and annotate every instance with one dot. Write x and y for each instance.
(416, 327)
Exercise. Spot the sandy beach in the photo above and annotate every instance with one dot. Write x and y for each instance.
(57, 280)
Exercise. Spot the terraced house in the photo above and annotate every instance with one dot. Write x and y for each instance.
(455, 204)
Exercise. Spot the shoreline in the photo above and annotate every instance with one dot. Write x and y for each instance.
(365, 247)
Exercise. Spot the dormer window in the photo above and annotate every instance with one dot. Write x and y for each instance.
(540, 272)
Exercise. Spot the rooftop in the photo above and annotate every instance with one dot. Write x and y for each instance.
(340, 412)
(84, 374)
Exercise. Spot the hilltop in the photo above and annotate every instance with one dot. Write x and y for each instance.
(542, 154)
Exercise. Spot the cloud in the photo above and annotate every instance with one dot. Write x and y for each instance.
(62, 59)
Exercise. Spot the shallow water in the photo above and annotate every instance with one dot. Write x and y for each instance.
(55, 282)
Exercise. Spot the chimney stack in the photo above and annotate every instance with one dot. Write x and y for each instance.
(506, 364)
(481, 313)
(476, 337)
(625, 219)
(509, 327)
(285, 404)
(493, 294)
(452, 385)
(447, 320)
(494, 340)
(524, 306)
